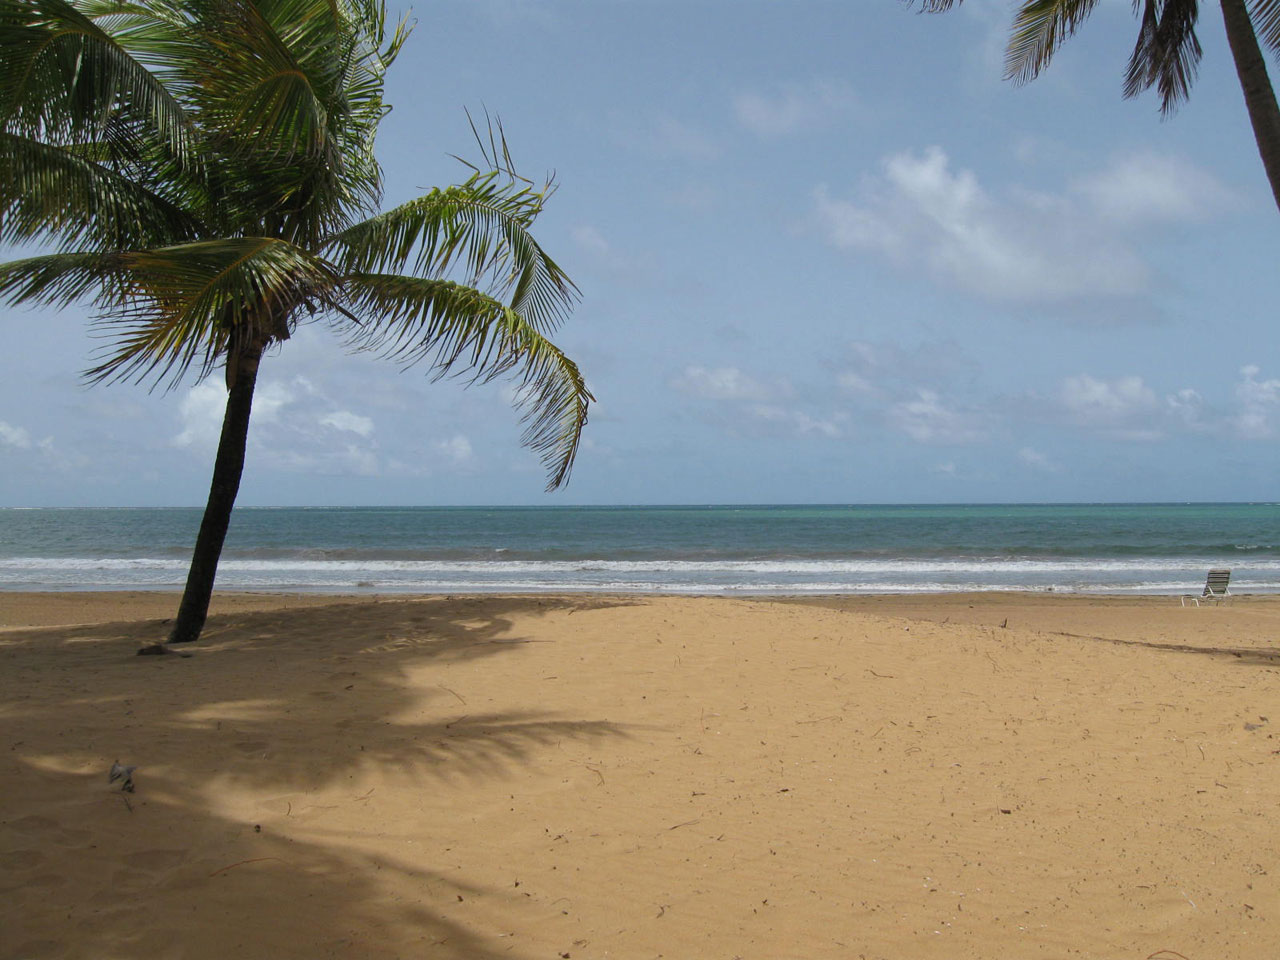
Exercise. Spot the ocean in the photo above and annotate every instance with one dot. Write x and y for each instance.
(1074, 548)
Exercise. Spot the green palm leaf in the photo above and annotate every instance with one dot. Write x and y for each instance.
(207, 169)
(479, 228)
(63, 77)
(295, 95)
(1266, 20)
(1039, 28)
(47, 190)
(458, 329)
(169, 308)
(1167, 52)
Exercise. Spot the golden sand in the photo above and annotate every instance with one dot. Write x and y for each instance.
(985, 776)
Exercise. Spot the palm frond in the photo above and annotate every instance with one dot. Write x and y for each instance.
(1039, 28)
(253, 88)
(480, 229)
(168, 308)
(188, 301)
(459, 329)
(65, 80)
(293, 90)
(1167, 52)
(934, 6)
(1265, 15)
(60, 192)
(61, 279)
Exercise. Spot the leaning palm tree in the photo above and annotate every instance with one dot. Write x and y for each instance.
(202, 172)
(1166, 55)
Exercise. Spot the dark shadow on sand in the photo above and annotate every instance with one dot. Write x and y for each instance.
(342, 706)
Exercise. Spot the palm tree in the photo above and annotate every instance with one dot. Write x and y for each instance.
(1166, 55)
(203, 173)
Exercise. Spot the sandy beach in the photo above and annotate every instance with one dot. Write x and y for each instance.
(961, 776)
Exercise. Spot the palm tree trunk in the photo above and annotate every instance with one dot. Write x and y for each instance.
(227, 468)
(1259, 97)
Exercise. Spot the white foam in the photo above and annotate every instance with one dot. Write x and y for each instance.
(1128, 575)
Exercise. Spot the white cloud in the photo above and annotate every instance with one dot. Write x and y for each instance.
(273, 396)
(719, 383)
(926, 419)
(1021, 246)
(1037, 460)
(1124, 408)
(1259, 405)
(855, 383)
(457, 449)
(1152, 188)
(798, 420)
(292, 428)
(201, 411)
(1187, 408)
(748, 401)
(14, 436)
(793, 108)
(349, 422)
(1107, 403)
(357, 460)
(903, 387)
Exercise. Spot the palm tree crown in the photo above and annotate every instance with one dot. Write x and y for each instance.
(203, 172)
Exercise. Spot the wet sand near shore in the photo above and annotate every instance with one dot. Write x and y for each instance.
(958, 776)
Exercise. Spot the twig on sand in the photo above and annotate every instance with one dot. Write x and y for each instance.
(241, 863)
(454, 692)
(685, 824)
(882, 676)
(1165, 955)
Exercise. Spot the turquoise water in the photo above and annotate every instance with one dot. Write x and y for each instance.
(1118, 548)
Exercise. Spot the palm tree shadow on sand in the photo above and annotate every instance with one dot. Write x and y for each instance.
(103, 873)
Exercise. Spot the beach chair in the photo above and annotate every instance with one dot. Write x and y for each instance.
(1215, 588)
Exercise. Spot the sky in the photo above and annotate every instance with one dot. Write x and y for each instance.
(826, 255)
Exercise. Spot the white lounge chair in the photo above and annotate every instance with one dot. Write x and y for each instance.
(1215, 588)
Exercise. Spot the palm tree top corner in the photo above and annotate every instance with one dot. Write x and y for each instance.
(1165, 56)
(204, 174)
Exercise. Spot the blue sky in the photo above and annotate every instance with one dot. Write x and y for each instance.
(826, 254)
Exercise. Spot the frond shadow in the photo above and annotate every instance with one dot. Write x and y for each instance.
(105, 876)
(346, 705)
(92, 872)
